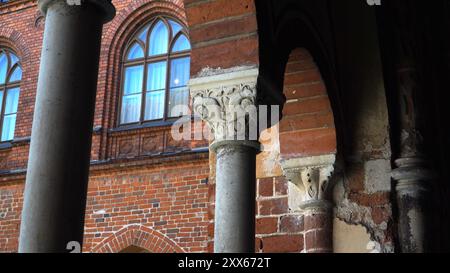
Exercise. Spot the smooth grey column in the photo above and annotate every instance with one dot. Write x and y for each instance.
(234, 227)
(58, 165)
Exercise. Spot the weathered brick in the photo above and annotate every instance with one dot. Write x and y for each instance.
(292, 223)
(267, 225)
(265, 187)
(283, 244)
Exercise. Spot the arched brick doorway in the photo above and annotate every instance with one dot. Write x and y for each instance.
(137, 238)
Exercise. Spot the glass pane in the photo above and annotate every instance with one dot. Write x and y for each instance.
(9, 125)
(179, 72)
(159, 39)
(1, 101)
(133, 79)
(156, 76)
(181, 44)
(179, 102)
(16, 75)
(12, 101)
(3, 67)
(154, 105)
(135, 52)
(143, 35)
(175, 27)
(14, 59)
(131, 108)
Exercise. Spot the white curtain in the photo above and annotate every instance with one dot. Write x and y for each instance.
(9, 120)
(179, 93)
(156, 86)
(131, 101)
(131, 108)
(1, 100)
(159, 39)
(154, 103)
(9, 125)
(3, 67)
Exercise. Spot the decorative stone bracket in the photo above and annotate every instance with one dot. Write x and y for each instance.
(311, 175)
(227, 102)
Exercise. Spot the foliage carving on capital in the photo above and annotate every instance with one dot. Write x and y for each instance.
(312, 176)
(228, 109)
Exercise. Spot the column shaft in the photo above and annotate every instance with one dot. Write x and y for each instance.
(235, 198)
(58, 166)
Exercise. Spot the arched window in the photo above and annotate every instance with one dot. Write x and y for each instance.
(10, 77)
(156, 68)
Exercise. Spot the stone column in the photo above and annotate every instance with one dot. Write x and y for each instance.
(58, 165)
(311, 176)
(412, 174)
(227, 103)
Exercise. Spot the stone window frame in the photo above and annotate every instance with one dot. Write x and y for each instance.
(7, 85)
(167, 57)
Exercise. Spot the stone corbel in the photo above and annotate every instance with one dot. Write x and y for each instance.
(311, 176)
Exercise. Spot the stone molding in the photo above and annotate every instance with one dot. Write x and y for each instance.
(412, 175)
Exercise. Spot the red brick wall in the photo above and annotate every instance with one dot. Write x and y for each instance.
(223, 33)
(277, 228)
(307, 127)
(170, 199)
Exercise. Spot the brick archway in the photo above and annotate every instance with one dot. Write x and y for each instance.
(14, 39)
(139, 236)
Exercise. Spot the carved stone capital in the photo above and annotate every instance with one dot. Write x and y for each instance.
(227, 102)
(312, 177)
